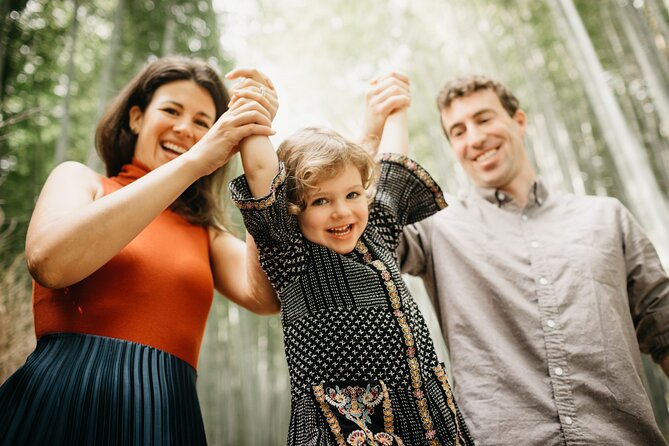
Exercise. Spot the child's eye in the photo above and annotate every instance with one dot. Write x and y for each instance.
(319, 202)
(353, 195)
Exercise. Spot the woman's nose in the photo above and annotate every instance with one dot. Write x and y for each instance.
(184, 127)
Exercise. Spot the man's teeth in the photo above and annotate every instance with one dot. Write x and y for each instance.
(174, 147)
(486, 155)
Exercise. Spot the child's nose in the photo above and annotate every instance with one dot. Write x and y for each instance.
(341, 210)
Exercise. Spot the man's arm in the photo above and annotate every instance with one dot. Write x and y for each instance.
(665, 365)
(647, 290)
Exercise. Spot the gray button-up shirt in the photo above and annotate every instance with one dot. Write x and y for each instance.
(545, 310)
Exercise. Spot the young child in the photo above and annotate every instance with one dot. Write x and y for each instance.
(362, 365)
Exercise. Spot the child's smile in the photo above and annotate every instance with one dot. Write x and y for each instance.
(337, 212)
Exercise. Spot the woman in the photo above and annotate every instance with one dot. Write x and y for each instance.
(125, 266)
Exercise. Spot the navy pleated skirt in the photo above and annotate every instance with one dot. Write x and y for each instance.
(79, 389)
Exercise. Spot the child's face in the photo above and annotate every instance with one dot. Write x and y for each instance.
(337, 212)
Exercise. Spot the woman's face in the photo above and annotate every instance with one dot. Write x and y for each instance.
(179, 114)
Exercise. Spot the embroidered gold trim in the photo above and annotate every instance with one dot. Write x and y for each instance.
(329, 416)
(385, 438)
(420, 173)
(264, 203)
(443, 378)
(414, 366)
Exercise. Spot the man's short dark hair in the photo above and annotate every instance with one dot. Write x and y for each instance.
(464, 86)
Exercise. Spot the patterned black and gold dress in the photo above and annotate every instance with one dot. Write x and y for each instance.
(363, 368)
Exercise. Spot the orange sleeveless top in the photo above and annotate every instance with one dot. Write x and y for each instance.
(156, 291)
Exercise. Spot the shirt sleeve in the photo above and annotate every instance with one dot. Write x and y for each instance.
(647, 288)
(405, 194)
(412, 250)
(280, 244)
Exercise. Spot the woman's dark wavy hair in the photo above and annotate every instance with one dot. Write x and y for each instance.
(201, 203)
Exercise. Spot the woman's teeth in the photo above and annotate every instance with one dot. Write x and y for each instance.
(173, 148)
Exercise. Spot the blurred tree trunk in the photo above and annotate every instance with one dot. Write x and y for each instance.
(108, 73)
(653, 66)
(170, 28)
(632, 164)
(6, 6)
(549, 126)
(64, 135)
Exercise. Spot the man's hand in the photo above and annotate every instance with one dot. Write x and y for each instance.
(387, 94)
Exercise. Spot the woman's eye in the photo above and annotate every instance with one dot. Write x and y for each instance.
(203, 124)
(171, 111)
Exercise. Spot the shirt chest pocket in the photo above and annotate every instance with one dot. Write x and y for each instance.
(599, 255)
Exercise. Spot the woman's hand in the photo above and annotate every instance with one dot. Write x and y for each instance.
(254, 85)
(252, 108)
(387, 94)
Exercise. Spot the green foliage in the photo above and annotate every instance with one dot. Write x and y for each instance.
(35, 81)
(321, 57)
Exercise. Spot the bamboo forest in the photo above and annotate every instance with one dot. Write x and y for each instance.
(592, 76)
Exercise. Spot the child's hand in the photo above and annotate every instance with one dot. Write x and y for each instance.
(252, 108)
(387, 94)
(253, 86)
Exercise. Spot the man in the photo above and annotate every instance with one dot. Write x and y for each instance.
(545, 299)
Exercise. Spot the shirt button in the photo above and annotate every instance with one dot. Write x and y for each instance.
(543, 281)
(524, 217)
(535, 244)
(568, 420)
(558, 371)
(550, 323)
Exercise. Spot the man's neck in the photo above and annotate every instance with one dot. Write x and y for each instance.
(519, 188)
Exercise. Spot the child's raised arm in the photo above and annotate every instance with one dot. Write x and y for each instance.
(385, 126)
(395, 138)
(255, 94)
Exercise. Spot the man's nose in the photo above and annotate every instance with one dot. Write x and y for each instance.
(475, 137)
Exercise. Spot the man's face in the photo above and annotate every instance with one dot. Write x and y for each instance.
(486, 140)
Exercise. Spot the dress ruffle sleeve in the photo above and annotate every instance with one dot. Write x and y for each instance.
(275, 231)
(405, 194)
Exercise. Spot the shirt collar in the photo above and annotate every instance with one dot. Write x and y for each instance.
(537, 196)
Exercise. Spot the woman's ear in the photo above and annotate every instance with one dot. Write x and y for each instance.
(135, 116)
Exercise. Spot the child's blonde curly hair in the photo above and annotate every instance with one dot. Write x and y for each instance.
(316, 154)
